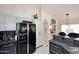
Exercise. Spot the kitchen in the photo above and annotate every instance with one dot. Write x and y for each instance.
(43, 22)
(12, 14)
(14, 36)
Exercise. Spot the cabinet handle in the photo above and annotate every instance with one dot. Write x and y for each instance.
(8, 45)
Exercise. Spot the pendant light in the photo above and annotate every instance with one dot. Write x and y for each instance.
(67, 23)
(67, 19)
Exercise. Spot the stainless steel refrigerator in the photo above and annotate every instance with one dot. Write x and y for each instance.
(26, 38)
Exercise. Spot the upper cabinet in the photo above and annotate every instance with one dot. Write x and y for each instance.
(1, 22)
(10, 22)
(20, 19)
(7, 22)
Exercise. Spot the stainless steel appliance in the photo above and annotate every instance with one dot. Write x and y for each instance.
(26, 37)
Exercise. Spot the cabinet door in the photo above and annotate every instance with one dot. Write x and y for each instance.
(20, 19)
(1, 22)
(10, 23)
(39, 33)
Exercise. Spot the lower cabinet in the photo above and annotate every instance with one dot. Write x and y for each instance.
(76, 43)
(8, 49)
(57, 49)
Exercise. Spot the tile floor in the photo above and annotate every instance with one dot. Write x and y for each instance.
(45, 50)
(42, 50)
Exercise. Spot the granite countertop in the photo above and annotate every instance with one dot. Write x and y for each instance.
(60, 43)
(68, 47)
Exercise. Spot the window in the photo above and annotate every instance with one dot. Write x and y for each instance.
(72, 28)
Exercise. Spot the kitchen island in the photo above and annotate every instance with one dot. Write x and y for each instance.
(65, 45)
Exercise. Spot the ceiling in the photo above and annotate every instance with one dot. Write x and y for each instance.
(59, 10)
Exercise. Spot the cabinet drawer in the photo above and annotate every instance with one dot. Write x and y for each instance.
(8, 49)
(55, 51)
(76, 43)
(53, 45)
(55, 48)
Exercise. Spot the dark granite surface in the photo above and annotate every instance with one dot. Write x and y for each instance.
(66, 43)
(61, 43)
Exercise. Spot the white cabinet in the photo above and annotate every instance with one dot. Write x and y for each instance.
(10, 23)
(20, 19)
(39, 39)
(1, 22)
(7, 22)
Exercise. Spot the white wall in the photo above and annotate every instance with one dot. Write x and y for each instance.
(46, 19)
(26, 11)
